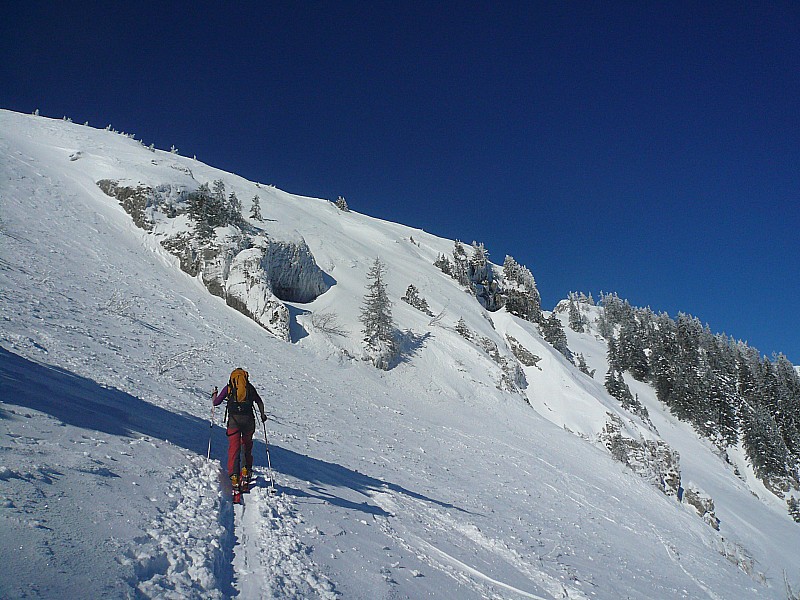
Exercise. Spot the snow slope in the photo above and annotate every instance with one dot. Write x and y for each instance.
(423, 481)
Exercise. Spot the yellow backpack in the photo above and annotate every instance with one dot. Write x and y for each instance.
(237, 387)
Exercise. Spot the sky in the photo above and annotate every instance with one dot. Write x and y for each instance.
(648, 149)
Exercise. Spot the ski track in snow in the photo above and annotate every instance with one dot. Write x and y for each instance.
(434, 519)
(186, 551)
(269, 560)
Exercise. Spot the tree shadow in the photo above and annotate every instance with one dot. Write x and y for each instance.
(409, 345)
(83, 403)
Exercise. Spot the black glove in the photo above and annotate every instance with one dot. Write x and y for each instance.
(263, 418)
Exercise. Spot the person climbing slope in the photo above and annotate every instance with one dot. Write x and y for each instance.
(241, 396)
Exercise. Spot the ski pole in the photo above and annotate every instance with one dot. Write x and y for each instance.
(211, 426)
(269, 462)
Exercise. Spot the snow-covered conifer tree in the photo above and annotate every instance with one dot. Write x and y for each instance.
(443, 263)
(341, 204)
(199, 210)
(616, 386)
(510, 268)
(478, 264)
(794, 508)
(255, 210)
(762, 440)
(234, 209)
(584, 368)
(554, 334)
(631, 349)
(461, 265)
(376, 316)
(519, 293)
(575, 319)
(604, 325)
(463, 330)
(413, 298)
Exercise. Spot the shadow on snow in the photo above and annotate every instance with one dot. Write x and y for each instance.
(325, 478)
(82, 402)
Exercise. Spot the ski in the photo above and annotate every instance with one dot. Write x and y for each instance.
(260, 481)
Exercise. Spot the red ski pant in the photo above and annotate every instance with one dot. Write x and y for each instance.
(238, 439)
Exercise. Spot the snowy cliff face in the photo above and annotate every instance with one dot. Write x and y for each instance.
(248, 289)
(292, 272)
(482, 465)
(238, 262)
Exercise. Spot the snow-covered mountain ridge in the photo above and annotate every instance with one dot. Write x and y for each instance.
(432, 478)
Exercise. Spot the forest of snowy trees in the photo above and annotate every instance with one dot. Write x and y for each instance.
(515, 290)
(724, 388)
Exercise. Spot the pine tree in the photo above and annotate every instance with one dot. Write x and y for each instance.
(216, 203)
(234, 209)
(198, 211)
(463, 330)
(255, 210)
(443, 263)
(794, 508)
(688, 386)
(376, 311)
(723, 400)
(616, 386)
(483, 283)
(787, 392)
(478, 265)
(413, 298)
(663, 358)
(218, 190)
(583, 367)
(763, 443)
(519, 293)
(605, 326)
(631, 349)
(510, 268)
(461, 265)
(341, 204)
(575, 319)
(554, 334)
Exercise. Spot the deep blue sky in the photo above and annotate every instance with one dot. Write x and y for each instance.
(652, 149)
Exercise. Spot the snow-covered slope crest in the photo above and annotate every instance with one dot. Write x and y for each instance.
(431, 479)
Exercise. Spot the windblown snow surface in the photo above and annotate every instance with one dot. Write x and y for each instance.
(422, 481)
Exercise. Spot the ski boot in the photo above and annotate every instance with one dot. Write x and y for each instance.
(245, 480)
(237, 490)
